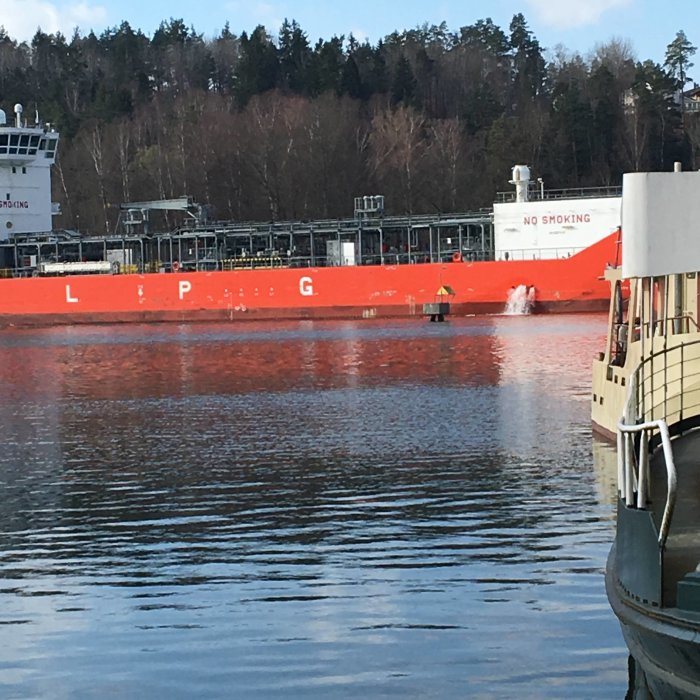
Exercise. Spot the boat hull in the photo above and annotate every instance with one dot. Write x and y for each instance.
(664, 646)
(565, 285)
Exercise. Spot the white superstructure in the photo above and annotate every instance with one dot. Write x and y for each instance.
(543, 225)
(26, 156)
(661, 212)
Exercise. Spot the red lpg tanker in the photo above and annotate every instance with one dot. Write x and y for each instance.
(538, 250)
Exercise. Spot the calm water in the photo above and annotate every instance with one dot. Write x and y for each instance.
(305, 510)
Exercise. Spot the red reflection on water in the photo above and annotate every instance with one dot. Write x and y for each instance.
(157, 361)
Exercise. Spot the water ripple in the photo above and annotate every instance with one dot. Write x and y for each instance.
(315, 510)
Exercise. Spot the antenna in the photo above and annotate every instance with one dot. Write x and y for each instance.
(18, 115)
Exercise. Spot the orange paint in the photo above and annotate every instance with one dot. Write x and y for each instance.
(570, 284)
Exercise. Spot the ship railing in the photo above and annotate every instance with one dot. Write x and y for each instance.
(667, 383)
(252, 262)
(248, 262)
(633, 471)
(285, 226)
(670, 325)
(663, 400)
(536, 253)
(536, 194)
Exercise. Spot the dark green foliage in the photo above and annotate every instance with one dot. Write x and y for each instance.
(658, 127)
(294, 58)
(403, 87)
(485, 35)
(326, 67)
(571, 124)
(258, 67)
(678, 54)
(261, 125)
(607, 125)
(378, 77)
(350, 82)
(225, 51)
(528, 63)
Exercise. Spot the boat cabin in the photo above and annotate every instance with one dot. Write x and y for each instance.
(654, 294)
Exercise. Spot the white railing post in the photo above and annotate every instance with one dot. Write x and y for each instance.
(629, 472)
(621, 489)
(643, 471)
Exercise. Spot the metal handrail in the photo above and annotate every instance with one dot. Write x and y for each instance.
(640, 416)
(652, 373)
(626, 452)
(537, 194)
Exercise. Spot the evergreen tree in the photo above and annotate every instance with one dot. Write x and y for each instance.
(326, 66)
(484, 34)
(225, 53)
(570, 145)
(126, 56)
(379, 80)
(678, 54)
(528, 63)
(294, 55)
(426, 79)
(655, 128)
(350, 82)
(403, 87)
(257, 68)
(14, 63)
(607, 122)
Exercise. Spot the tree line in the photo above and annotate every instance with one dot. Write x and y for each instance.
(270, 127)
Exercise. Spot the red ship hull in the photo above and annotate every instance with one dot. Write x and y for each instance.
(562, 285)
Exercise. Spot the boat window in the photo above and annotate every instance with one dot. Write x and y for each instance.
(23, 144)
(51, 147)
(14, 142)
(33, 145)
(658, 300)
(3, 143)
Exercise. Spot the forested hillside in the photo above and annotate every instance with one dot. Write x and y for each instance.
(264, 127)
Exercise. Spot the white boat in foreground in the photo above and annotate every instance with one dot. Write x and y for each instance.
(649, 373)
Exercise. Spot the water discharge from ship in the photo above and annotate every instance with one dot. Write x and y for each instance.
(520, 301)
